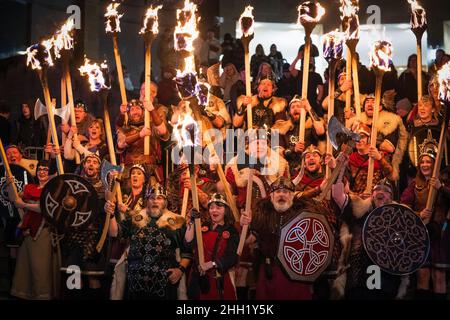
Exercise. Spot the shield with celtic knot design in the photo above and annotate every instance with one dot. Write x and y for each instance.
(306, 246)
(396, 239)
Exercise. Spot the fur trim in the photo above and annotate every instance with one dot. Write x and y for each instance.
(170, 220)
(360, 206)
(277, 104)
(338, 286)
(217, 107)
(284, 126)
(241, 177)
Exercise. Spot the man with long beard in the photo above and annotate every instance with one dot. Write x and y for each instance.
(268, 218)
(155, 234)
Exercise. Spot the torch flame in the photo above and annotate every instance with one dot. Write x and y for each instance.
(333, 45)
(349, 16)
(113, 18)
(63, 39)
(418, 16)
(246, 21)
(381, 55)
(32, 60)
(151, 23)
(310, 13)
(48, 45)
(444, 82)
(186, 30)
(95, 74)
(185, 125)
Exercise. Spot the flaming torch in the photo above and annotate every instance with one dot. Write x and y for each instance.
(380, 61)
(98, 83)
(187, 133)
(418, 27)
(350, 25)
(309, 15)
(150, 31)
(113, 26)
(246, 21)
(39, 57)
(63, 44)
(444, 96)
(333, 45)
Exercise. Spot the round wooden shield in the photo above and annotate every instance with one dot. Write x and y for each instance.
(417, 140)
(306, 246)
(69, 201)
(396, 239)
(22, 177)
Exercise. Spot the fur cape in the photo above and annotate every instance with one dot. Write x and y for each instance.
(167, 220)
(277, 104)
(388, 122)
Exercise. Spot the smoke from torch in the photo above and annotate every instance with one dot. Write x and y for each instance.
(95, 74)
(113, 18)
(151, 24)
(333, 45)
(246, 21)
(349, 16)
(381, 56)
(444, 82)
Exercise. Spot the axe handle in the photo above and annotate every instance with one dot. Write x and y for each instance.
(248, 205)
(101, 242)
(348, 76)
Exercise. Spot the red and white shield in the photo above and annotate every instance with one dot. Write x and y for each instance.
(306, 246)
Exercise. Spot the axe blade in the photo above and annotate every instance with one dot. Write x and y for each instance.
(335, 128)
(39, 109)
(63, 113)
(105, 169)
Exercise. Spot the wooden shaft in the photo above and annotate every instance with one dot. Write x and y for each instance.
(302, 127)
(51, 119)
(248, 88)
(68, 82)
(63, 91)
(348, 76)
(185, 200)
(198, 223)
(148, 61)
(123, 92)
(331, 85)
(374, 132)
(331, 180)
(432, 192)
(248, 206)
(305, 80)
(419, 70)
(356, 87)
(110, 143)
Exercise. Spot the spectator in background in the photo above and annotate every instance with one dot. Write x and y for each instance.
(5, 126)
(438, 62)
(257, 59)
(228, 78)
(212, 44)
(228, 46)
(238, 55)
(265, 71)
(26, 131)
(408, 80)
(276, 61)
(167, 89)
(286, 85)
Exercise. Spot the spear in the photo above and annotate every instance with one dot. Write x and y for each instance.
(309, 15)
(380, 60)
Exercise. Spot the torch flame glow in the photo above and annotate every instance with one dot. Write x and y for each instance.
(310, 12)
(113, 18)
(418, 16)
(349, 16)
(186, 30)
(333, 45)
(444, 82)
(381, 55)
(63, 39)
(48, 45)
(95, 74)
(151, 23)
(246, 21)
(185, 125)
(32, 60)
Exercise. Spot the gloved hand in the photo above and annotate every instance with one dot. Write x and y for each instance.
(194, 214)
